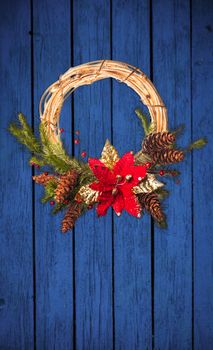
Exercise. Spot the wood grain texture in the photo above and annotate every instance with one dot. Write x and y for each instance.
(132, 239)
(202, 106)
(93, 236)
(53, 253)
(173, 247)
(16, 244)
(111, 284)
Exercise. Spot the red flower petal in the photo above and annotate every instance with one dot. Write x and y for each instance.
(139, 171)
(123, 164)
(118, 204)
(132, 205)
(101, 172)
(105, 196)
(102, 207)
(96, 186)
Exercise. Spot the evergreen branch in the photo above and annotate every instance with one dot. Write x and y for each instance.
(149, 128)
(152, 128)
(197, 144)
(24, 134)
(179, 130)
(162, 224)
(49, 191)
(141, 157)
(37, 160)
(55, 155)
(46, 198)
(162, 193)
(58, 207)
(143, 119)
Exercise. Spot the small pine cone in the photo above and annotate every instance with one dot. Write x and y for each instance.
(65, 186)
(157, 141)
(152, 204)
(70, 217)
(42, 179)
(167, 156)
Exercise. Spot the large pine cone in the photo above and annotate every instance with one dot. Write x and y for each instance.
(157, 141)
(65, 186)
(152, 204)
(70, 217)
(42, 179)
(167, 156)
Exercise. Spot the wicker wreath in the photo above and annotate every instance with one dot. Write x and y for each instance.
(130, 182)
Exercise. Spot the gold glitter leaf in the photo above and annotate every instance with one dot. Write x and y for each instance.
(87, 195)
(109, 155)
(141, 158)
(148, 185)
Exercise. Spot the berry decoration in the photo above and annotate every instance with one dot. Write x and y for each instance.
(161, 172)
(83, 154)
(148, 165)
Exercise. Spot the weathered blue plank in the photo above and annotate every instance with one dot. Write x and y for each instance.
(54, 294)
(16, 259)
(132, 237)
(172, 249)
(93, 236)
(202, 80)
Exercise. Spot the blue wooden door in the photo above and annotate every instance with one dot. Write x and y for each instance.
(112, 283)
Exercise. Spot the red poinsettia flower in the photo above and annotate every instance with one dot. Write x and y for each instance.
(115, 186)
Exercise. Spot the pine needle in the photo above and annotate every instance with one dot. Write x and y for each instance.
(55, 155)
(143, 119)
(58, 207)
(179, 130)
(162, 224)
(24, 134)
(46, 198)
(152, 127)
(197, 144)
(36, 160)
(162, 193)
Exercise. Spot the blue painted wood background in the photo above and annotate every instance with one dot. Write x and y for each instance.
(112, 283)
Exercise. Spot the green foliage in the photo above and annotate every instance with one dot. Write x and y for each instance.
(55, 155)
(49, 191)
(46, 198)
(37, 160)
(24, 134)
(58, 207)
(152, 128)
(141, 158)
(44, 151)
(162, 224)
(162, 193)
(148, 127)
(143, 119)
(197, 144)
(179, 130)
(86, 175)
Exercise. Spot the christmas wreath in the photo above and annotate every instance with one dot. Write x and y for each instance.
(132, 182)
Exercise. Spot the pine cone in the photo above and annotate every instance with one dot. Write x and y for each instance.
(42, 179)
(157, 141)
(152, 204)
(70, 217)
(167, 156)
(65, 186)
